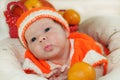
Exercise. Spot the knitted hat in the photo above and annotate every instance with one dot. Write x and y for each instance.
(31, 16)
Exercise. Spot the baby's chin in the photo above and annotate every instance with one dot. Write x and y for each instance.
(52, 56)
(50, 53)
(47, 56)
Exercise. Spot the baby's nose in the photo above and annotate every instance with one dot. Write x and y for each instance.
(42, 38)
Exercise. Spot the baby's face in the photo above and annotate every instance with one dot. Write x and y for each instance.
(46, 39)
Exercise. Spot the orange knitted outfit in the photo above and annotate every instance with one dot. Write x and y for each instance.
(85, 49)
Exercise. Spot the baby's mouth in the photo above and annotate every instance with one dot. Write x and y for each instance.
(48, 48)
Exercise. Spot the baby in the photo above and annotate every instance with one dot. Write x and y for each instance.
(50, 47)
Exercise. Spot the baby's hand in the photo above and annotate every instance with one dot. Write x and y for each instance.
(58, 77)
(54, 72)
(57, 74)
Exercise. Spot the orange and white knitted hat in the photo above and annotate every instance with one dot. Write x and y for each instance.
(31, 16)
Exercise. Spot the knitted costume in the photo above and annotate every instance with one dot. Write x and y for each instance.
(83, 48)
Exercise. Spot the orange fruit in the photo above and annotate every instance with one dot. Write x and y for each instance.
(32, 4)
(37, 3)
(81, 71)
(72, 17)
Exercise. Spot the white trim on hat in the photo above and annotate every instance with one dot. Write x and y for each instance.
(39, 14)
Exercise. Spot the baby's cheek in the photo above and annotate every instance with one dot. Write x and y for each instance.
(35, 49)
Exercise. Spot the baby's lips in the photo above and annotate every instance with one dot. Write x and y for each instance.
(48, 48)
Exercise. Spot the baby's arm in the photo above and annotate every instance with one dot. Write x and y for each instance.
(55, 74)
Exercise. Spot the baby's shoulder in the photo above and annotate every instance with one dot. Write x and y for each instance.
(81, 36)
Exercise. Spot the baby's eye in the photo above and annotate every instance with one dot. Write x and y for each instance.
(47, 29)
(33, 39)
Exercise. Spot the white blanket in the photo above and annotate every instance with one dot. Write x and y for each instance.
(106, 30)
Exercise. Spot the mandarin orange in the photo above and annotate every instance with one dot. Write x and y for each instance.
(72, 17)
(81, 71)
